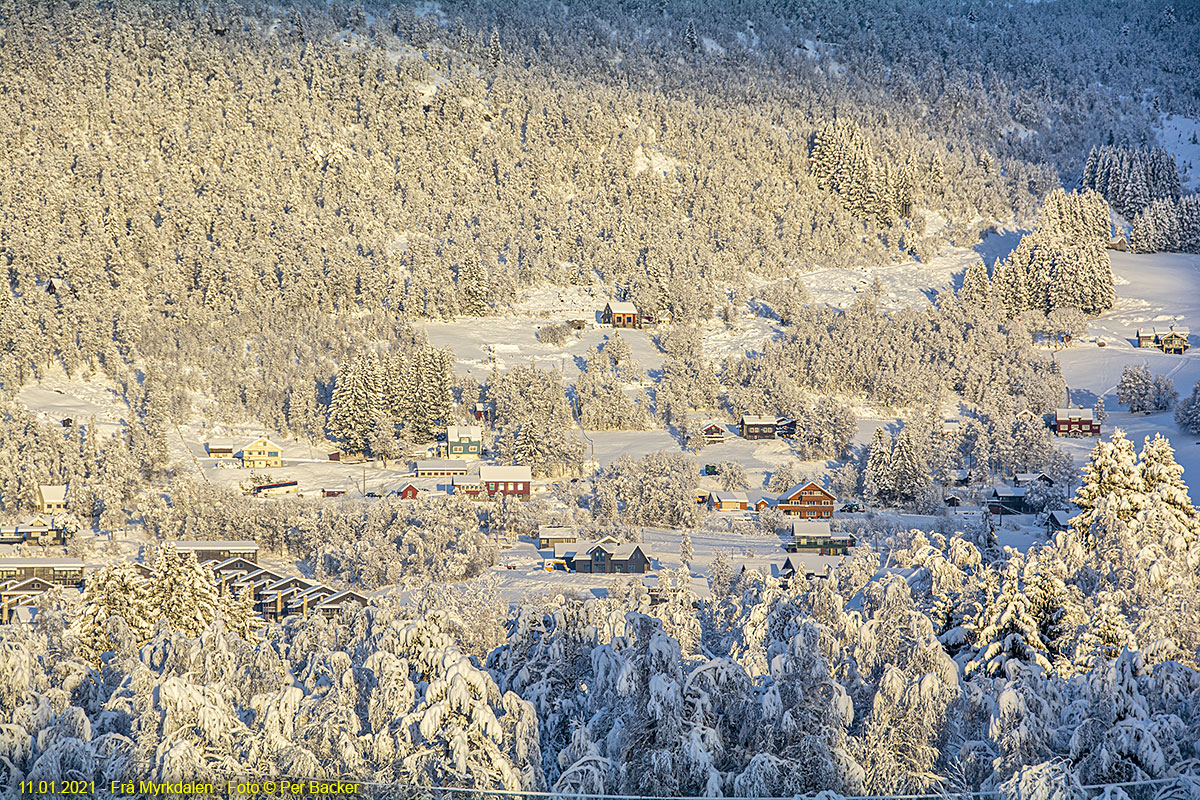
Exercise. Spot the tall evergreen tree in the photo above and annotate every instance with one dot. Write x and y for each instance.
(356, 402)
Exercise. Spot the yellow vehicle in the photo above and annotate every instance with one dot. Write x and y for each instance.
(555, 565)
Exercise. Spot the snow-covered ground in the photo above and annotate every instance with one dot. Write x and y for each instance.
(1152, 290)
(1181, 135)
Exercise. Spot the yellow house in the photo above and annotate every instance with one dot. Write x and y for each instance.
(52, 499)
(261, 454)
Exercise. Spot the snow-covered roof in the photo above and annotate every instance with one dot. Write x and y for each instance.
(1027, 477)
(794, 490)
(1074, 413)
(345, 596)
(441, 465)
(1169, 331)
(1060, 519)
(556, 531)
(758, 419)
(216, 544)
(622, 307)
(53, 493)
(513, 473)
(17, 563)
(960, 474)
(457, 433)
(1010, 491)
(810, 527)
(625, 551)
(730, 497)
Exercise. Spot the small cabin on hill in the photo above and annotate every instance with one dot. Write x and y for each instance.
(728, 501)
(1008, 500)
(551, 535)
(621, 314)
(52, 498)
(757, 426)
(713, 432)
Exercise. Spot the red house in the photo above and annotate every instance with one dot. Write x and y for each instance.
(1076, 422)
(407, 492)
(807, 501)
(512, 481)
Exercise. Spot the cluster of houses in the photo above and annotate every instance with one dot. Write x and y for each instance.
(23, 580)
(47, 526)
(262, 453)
(234, 565)
(602, 556)
(807, 500)
(1171, 340)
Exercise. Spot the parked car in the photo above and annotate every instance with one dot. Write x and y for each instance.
(852, 507)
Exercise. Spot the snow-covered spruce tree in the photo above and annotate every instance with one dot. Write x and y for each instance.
(114, 589)
(878, 483)
(1136, 388)
(1006, 629)
(1187, 411)
(1111, 478)
(908, 470)
(976, 288)
(356, 402)
(686, 553)
(1163, 484)
(472, 281)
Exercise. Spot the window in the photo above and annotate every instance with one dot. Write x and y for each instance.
(273, 454)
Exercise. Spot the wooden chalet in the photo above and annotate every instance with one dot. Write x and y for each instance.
(728, 501)
(551, 535)
(1170, 340)
(332, 606)
(1173, 341)
(262, 453)
(621, 314)
(757, 426)
(701, 496)
(1029, 478)
(762, 503)
(713, 432)
(807, 501)
(514, 481)
(808, 565)
(953, 501)
(52, 498)
(215, 450)
(1075, 422)
(16, 595)
(1058, 522)
(814, 536)
(1008, 500)
(58, 571)
(38, 530)
(275, 489)
(440, 468)
(604, 556)
(218, 550)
